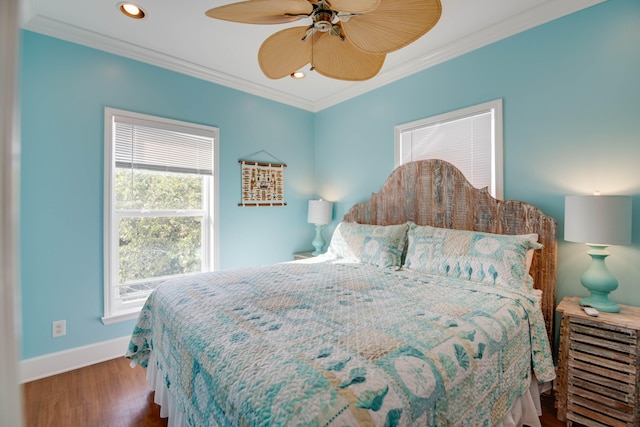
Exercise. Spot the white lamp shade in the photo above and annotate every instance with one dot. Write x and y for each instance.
(319, 212)
(604, 220)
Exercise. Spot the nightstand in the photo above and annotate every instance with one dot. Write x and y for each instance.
(302, 255)
(598, 364)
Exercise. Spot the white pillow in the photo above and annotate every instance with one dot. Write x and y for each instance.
(533, 238)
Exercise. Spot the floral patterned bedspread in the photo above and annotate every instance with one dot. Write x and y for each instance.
(329, 343)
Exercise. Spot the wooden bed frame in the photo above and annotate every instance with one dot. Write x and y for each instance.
(436, 193)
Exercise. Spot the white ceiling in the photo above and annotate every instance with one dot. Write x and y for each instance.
(178, 36)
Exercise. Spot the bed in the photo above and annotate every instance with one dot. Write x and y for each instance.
(433, 306)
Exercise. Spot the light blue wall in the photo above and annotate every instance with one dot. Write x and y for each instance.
(571, 92)
(64, 88)
(572, 125)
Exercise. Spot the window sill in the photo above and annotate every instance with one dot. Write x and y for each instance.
(121, 317)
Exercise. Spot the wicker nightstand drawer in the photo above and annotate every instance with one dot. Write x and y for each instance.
(598, 367)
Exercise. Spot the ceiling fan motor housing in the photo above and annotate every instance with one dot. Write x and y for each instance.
(322, 20)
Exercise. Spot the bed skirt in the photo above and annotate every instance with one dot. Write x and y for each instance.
(525, 411)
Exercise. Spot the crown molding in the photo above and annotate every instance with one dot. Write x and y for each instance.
(542, 14)
(548, 12)
(81, 36)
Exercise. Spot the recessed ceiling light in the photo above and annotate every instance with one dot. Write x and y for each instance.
(131, 10)
(297, 75)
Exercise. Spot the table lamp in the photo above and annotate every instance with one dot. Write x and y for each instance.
(320, 215)
(598, 221)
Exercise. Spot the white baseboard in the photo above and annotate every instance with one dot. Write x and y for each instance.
(68, 360)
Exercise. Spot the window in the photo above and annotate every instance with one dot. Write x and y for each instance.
(160, 197)
(470, 138)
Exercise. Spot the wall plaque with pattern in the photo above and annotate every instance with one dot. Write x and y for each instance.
(262, 183)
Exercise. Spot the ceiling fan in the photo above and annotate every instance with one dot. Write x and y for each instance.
(347, 39)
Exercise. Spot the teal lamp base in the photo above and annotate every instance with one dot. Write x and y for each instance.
(599, 281)
(318, 242)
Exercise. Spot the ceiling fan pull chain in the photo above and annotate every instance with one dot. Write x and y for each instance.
(311, 63)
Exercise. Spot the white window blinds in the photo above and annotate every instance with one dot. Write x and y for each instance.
(161, 148)
(464, 142)
(470, 139)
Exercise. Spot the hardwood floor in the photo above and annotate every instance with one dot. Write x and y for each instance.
(107, 394)
(548, 418)
(111, 394)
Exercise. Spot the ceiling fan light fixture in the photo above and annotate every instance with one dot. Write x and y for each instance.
(322, 20)
(131, 10)
(297, 75)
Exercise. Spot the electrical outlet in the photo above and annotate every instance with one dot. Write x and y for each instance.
(59, 328)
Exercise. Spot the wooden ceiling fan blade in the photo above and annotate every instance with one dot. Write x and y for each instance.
(262, 11)
(354, 6)
(392, 25)
(339, 59)
(285, 52)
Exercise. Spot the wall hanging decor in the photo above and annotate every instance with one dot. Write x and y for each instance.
(262, 183)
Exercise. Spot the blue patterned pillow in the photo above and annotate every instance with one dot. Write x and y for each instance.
(493, 259)
(379, 245)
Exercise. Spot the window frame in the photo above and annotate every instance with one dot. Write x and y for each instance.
(496, 189)
(112, 311)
